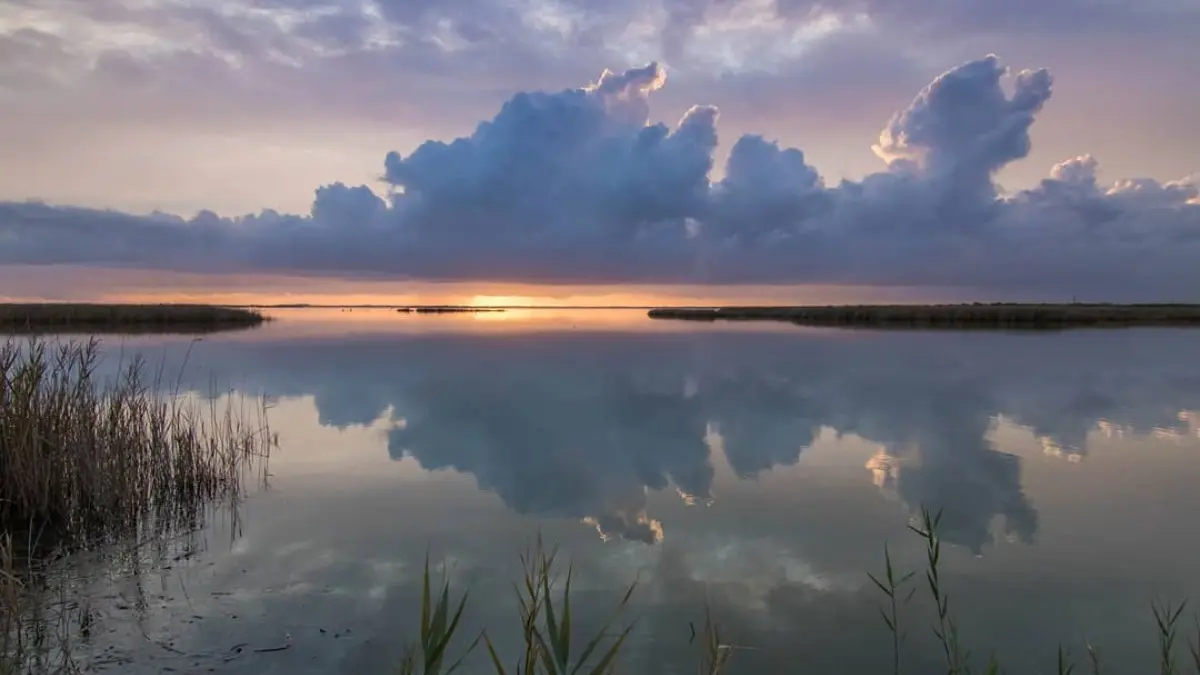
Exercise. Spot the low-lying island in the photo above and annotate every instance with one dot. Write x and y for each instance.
(448, 309)
(102, 317)
(960, 316)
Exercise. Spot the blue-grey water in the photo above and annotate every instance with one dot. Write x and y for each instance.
(755, 469)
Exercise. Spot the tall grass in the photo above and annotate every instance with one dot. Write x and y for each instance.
(82, 460)
(546, 646)
(85, 463)
(945, 628)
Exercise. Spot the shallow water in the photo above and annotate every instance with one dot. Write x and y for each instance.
(758, 468)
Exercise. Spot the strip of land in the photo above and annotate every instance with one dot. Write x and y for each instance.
(1027, 316)
(448, 309)
(123, 318)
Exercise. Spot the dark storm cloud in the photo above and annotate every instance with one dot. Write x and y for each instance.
(580, 425)
(576, 186)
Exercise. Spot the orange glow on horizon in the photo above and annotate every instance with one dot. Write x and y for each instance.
(83, 284)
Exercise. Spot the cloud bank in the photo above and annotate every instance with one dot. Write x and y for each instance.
(577, 186)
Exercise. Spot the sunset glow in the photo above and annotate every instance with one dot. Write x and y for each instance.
(63, 283)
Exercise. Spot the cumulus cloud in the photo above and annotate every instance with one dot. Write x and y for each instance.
(963, 128)
(579, 186)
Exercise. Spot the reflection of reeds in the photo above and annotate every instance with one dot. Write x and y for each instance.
(37, 629)
(59, 317)
(10, 604)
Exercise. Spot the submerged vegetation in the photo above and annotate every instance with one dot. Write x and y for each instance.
(547, 648)
(41, 317)
(977, 315)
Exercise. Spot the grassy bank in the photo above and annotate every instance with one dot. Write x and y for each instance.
(977, 315)
(46, 317)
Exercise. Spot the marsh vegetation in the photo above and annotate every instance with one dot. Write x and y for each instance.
(92, 318)
(960, 316)
(547, 645)
(86, 464)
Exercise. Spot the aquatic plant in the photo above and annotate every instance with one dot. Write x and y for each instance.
(82, 461)
(546, 646)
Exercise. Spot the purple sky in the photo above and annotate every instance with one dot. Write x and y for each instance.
(233, 107)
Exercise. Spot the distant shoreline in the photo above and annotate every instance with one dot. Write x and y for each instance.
(124, 318)
(447, 309)
(1020, 316)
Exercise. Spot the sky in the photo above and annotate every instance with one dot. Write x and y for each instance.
(738, 150)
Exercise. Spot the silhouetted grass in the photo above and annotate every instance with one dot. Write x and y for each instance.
(70, 317)
(961, 316)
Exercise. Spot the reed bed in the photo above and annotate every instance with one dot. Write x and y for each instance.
(85, 463)
(961, 316)
(82, 461)
(35, 317)
(544, 621)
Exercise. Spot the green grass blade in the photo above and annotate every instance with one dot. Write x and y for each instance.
(594, 643)
(437, 626)
(425, 602)
(495, 658)
(564, 631)
(458, 664)
(433, 658)
(606, 662)
(546, 654)
(551, 620)
(879, 583)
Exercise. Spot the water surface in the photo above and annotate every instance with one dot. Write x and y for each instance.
(756, 468)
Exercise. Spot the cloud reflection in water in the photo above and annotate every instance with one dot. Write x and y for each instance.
(583, 425)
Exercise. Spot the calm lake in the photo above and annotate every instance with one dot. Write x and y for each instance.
(755, 469)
